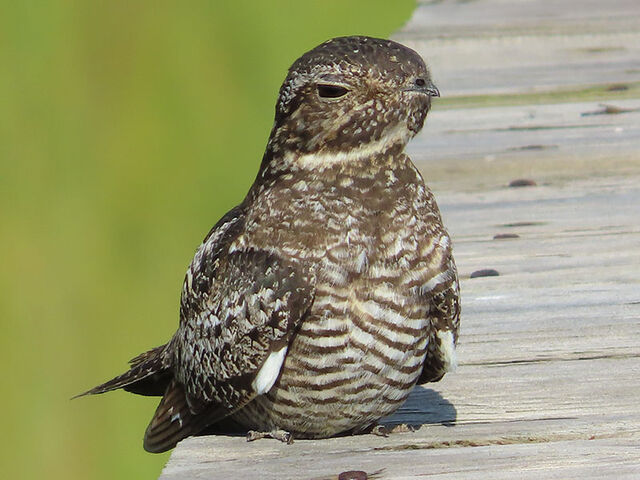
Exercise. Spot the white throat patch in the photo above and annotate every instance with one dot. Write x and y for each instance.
(318, 161)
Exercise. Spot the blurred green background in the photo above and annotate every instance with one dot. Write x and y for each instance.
(126, 130)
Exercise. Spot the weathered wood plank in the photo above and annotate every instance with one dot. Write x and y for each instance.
(549, 374)
(500, 460)
(487, 147)
(496, 46)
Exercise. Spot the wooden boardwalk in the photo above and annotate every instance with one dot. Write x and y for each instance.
(548, 384)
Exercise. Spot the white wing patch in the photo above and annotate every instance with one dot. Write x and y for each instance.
(269, 372)
(448, 350)
(176, 418)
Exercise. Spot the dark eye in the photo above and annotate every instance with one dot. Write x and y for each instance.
(420, 82)
(331, 91)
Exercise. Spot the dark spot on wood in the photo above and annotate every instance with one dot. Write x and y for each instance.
(609, 110)
(522, 182)
(532, 147)
(522, 224)
(534, 128)
(502, 236)
(353, 475)
(485, 272)
(596, 50)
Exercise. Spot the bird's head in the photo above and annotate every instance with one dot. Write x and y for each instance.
(351, 96)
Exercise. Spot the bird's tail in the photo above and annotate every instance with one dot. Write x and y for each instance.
(149, 374)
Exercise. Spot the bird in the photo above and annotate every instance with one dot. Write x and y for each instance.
(313, 307)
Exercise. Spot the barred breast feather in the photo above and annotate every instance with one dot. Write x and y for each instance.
(378, 323)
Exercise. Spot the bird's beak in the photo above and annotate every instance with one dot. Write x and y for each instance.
(432, 90)
(429, 88)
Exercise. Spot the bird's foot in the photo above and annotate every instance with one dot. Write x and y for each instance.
(386, 430)
(282, 435)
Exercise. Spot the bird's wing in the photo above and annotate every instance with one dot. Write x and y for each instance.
(442, 292)
(240, 308)
(231, 348)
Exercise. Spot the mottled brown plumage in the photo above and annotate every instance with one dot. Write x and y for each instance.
(318, 303)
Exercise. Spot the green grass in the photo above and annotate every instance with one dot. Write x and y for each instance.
(126, 130)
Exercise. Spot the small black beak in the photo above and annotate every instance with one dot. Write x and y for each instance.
(428, 88)
(432, 90)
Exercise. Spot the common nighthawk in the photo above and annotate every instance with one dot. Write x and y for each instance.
(315, 306)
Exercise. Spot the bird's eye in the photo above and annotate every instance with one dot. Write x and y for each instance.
(420, 82)
(331, 91)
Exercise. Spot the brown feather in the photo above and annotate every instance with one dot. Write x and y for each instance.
(147, 370)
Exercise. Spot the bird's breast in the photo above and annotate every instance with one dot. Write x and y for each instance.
(366, 330)
(362, 344)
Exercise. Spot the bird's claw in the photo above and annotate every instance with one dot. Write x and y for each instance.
(380, 431)
(282, 435)
(385, 431)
